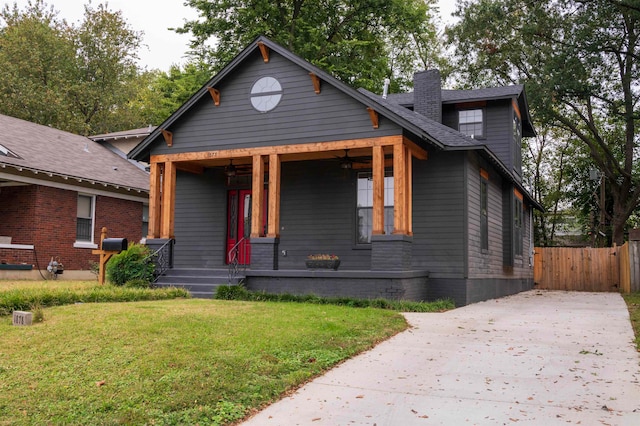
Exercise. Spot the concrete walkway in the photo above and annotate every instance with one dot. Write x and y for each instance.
(536, 358)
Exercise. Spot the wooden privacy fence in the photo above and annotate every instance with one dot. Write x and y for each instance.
(588, 269)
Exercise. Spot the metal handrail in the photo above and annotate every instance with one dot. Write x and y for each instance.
(162, 259)
(234, 260)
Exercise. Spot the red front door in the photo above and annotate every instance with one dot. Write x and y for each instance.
(239, 225)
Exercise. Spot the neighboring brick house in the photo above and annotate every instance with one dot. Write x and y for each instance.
(57, 190)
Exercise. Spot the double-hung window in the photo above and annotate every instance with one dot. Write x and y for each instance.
(471, 122)
(84, 218)
(364, 206)
(517, 226)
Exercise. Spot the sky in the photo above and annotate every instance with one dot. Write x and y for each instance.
(161, 47)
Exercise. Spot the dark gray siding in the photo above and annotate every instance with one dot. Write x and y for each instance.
(301, 117)
(200, 220)
(439, 214)
(484, 263)
(317, 215)
(498, 128)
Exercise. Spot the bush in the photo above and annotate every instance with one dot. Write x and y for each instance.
(131, 264)
(137, 283)
(236, 292)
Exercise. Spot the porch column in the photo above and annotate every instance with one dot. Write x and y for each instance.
(264, 249)
(168, 200)
(257, 194)
(273, 221)
(154, 200)
(394, 252)
(378, 190)
(399, 189)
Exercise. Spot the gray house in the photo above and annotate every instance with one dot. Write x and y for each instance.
(419, 194)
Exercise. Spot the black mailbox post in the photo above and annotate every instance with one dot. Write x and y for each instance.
(114, 244)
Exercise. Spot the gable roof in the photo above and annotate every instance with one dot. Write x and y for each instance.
(431, 132)
(52, 154)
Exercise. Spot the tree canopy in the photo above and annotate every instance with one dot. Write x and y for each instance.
(579, 61)
(361, 41)
(81, 78)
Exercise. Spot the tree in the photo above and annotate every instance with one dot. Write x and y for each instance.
(361, 42)
(579, 61)
(79, 78)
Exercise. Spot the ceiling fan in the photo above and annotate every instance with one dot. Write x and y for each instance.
(346, 162)
(233, 170)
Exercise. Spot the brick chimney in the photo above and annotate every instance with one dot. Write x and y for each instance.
(427, 94)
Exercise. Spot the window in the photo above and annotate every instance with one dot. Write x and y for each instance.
(484, 210)
(470, 122)
(517, 145)
(364, 209)
(517, 226)
(6, 152)
(84, 224)
(145, 220)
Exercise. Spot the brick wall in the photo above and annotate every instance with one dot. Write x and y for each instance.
(46, 217)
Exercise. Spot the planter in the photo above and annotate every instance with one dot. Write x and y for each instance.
(323, 264)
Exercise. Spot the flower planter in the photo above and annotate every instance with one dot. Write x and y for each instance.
(323, 264)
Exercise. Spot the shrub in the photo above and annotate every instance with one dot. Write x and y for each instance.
(131, 264)
(137, 283)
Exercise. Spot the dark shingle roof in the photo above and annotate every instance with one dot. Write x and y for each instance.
(450, 96)
(51, 151)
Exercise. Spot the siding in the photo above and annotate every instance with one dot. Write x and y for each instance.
(484, 264)
(498, 128)
(200, 220)
(301, 117)
(439, 214)
(318, 208)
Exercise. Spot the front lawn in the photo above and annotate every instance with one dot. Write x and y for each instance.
(633, 303)
(182, 361)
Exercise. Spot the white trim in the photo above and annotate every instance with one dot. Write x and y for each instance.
(93, 219)
(141, 198)
(17, 246)
(85, 245)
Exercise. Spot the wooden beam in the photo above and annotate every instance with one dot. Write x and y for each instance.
(215, 95)
(373, 115)
(416, 150)
(194, 168)
(399, 190)
(168, 137)
(168, 201)
(316, 83)
(279, 149)
(273, 221)
(154, 200)
(257, 194)
(264, 51)
(409, 191)
(378, 191)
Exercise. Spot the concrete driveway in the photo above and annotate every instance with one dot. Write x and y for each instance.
(537, 358)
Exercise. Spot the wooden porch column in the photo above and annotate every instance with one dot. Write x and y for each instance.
(154, 200)
(273, 221)
(409, 190)
(168, 200)
(399, 189)
(257, 193)
(378, 190)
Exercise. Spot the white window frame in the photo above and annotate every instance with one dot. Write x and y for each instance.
(474, 123)
(87, 244)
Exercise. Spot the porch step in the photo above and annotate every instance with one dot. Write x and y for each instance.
(201, 283)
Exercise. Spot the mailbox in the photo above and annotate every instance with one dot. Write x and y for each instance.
(114, 244)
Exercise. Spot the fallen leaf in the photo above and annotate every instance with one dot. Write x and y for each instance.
(316, 419)
(100, 383)
(360, 396)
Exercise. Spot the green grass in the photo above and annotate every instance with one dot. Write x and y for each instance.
(25, 295)
(182, 361)
(633, 303)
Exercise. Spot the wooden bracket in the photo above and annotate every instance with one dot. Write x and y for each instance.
(316, 83)
(264, 50)
(373, 115)
(215, 95)
(168, 137)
